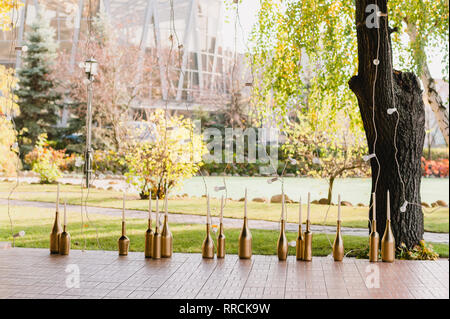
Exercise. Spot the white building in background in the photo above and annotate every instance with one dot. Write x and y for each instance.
(205, 64)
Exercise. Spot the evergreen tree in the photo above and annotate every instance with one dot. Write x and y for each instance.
(36, 92)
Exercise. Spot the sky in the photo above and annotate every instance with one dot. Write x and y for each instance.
(248, 11)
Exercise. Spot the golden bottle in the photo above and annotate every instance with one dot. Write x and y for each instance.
(64, 242)
(156, 243)
(388, 240)
(123, 242)
(55, 235)
(208, 244)
(221, 243)
(148, 250)
(166, 239)
(388, 244)
(307, 251)
(338, 245)
(245, 237)
(282, 244)
(374, 240)
(245, 241)
(300, 245)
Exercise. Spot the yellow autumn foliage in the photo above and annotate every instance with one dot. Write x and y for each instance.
(8, 108)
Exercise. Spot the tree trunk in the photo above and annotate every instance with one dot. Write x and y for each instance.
(434, 100)
(430, 94)
(407, 98)
(330, 188)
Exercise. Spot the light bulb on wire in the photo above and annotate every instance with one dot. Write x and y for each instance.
(368, 157)
(219, 188)
(391, 111)
(403, 207)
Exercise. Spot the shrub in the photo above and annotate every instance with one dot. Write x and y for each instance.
(423, 251)
(45, 160)
(164, 158)
(436, 168)
(109, 161)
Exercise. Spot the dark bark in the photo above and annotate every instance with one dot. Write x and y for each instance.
(407, 226)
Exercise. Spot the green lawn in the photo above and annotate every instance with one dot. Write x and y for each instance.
(37, 224)
(438, 221)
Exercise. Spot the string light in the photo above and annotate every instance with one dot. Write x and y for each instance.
(219, 188)
(185, 141)
(391, 110)
(403, 207)
(368, 157)
(22, 48)
(292, 161)
(19, 234)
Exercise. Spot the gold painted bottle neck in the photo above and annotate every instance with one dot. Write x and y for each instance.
(123, 228)
(374, 226)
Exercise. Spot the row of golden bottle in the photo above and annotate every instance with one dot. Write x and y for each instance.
(59, 239)
(388, 240)
(304, 239)
(160, 243)
(208, 243)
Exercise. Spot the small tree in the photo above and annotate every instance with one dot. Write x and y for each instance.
(37, 96)
(8, 108)
(5, 8)
(45, 160)
(117, 87)
(163, 154)
(327, 153)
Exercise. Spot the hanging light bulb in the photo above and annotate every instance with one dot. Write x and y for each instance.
(403, 207)
(391, 110)
(188, 140)
(368, 157)
(376, 61)
(292, 161)
(19, 234)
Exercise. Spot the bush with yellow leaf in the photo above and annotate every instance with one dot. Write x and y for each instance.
(162, 153)
(8, 109)
(45, 160)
